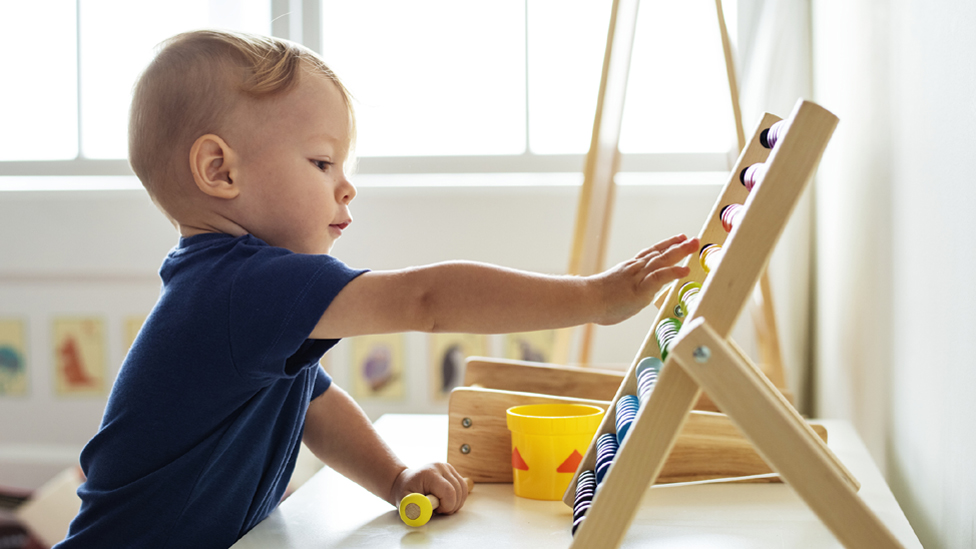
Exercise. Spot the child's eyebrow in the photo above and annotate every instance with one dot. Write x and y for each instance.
(327, 138)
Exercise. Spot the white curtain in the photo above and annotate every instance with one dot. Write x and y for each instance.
(829, 269)
(853, 207)
(774, 58)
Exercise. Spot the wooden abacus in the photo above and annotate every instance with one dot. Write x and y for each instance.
(702, 358)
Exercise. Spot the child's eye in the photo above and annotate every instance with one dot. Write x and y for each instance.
(322, 164)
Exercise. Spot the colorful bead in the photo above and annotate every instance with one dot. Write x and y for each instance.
(585, 490)
(666, 331)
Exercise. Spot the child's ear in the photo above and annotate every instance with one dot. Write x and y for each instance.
(214, 166)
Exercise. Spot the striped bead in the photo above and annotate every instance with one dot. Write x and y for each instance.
(752, 175)
(606, 450)
(666, 331)
(585, 490)
(774, 134)
(688, 296)
(730, 216)
(647, 371)
(627, 408)
(710, 256)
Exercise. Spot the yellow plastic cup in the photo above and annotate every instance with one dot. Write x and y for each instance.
(548, 444)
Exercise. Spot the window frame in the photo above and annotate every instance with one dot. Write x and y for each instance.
(299, 20)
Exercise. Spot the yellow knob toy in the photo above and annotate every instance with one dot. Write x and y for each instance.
(416, 509)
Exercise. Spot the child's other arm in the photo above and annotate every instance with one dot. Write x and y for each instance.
(478, 298)
(339, 433)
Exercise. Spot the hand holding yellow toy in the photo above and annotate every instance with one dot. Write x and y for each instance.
(416, 509)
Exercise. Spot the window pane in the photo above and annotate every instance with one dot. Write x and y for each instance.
(678, 93)
(38, 99)
(566, 45)
(118, 39)
(431, 77)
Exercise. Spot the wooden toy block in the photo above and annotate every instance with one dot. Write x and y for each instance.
(551, 379)
(709, 447)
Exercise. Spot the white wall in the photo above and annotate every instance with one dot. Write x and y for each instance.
(897, 326)
(96, 253)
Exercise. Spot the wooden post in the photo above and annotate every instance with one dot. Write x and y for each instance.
(595, 206)
(767, 334)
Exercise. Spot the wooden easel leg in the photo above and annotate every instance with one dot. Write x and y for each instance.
(780, 435)
(758, 375)
(597, 194)
(767, 332)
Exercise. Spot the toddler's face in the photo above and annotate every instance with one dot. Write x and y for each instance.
(292, 155)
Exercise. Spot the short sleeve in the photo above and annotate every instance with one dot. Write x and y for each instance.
(277, 298)
(322, 383)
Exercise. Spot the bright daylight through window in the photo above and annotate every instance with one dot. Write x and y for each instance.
(431, 78)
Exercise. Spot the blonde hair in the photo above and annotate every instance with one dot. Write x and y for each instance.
(190, 86)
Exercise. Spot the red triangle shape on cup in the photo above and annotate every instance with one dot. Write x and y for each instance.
(571, 463)
(518, 462)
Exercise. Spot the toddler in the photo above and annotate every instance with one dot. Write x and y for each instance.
(244, 142)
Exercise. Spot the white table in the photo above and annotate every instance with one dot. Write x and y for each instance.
(331, 511)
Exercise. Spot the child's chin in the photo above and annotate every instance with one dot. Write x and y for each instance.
(326, 248)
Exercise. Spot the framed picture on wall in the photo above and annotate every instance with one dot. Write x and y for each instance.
(447, 353)
(530, 346)
(377, 367)
(79, 356)
(13, 357)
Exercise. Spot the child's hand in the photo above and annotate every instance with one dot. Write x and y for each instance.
(631, 285)
(438, 479)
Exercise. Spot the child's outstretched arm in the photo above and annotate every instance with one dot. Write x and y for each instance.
(478, 298)
(339, 433)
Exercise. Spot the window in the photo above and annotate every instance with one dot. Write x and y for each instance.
(75, 74)
(441, 85)
(38, 101)
(117, 39)
(515, 76)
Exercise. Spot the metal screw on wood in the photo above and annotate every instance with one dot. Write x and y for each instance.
(466, 422)
(465, 449)
(678, 311)
(702, 354)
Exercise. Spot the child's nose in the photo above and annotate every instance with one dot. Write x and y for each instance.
(346, 191)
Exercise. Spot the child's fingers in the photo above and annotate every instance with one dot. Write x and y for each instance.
(659, 277)
(446, 493)
(453, 503)
(674, 253)
(462, 489)
(465, 488)
(662, 245)
(454, 488)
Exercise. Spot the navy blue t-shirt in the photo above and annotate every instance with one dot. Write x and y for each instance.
(204, 422)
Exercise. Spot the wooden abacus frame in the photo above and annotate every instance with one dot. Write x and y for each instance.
(703, 358)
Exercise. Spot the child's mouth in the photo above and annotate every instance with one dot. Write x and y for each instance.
(339, 227)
